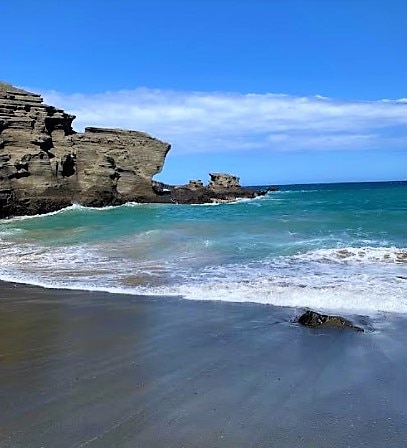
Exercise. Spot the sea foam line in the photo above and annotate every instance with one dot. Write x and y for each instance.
(79, 207)
(357, 279)
(345, 299)
(362, 254)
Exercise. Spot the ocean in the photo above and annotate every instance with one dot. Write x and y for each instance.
(326, 246)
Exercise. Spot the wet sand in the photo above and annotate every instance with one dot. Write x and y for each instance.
(101, 370)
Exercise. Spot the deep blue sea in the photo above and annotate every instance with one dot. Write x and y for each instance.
(326, 246)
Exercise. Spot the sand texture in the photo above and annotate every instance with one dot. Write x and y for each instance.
(101, 370)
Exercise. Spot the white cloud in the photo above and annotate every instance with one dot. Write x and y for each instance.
(217, 121)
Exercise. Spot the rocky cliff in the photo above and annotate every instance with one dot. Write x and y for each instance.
(46, 165)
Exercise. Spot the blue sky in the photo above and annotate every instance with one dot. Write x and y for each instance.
(276, 91)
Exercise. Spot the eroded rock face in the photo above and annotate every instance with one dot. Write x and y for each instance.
(116, 166)
(221, 182)
(221, 188)
(45, 165)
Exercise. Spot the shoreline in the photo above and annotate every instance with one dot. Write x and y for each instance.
(78, 206)
(357, 315)
(213, 201)
(99, 369)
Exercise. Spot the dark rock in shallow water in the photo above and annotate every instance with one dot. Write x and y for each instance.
(313, 319)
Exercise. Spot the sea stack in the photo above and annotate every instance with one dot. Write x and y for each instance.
(222, 187)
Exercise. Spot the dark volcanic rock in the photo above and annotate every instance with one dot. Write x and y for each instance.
(313, 319)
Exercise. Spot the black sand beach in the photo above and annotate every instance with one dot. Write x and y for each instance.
(101, 370)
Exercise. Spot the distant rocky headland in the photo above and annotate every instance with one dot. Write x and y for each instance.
(45, 165)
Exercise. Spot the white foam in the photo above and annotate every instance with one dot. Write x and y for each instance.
(26, 217)
(367, 279)
(9, 232)
(356, 296)
(57, 212)
(75, 207)
(232, 202)
(344, 298)
(364, 254)
(133, 204)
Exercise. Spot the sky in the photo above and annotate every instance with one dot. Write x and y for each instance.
(274, 91)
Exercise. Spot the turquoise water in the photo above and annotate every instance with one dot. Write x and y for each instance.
(330, 246)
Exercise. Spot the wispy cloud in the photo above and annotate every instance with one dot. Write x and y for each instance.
(217, 121)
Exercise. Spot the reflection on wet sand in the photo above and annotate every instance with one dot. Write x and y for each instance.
(97, 369)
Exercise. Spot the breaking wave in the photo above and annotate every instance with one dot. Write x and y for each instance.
(337, 248)
(362, 279)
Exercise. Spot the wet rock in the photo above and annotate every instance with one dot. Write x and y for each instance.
(313, 319)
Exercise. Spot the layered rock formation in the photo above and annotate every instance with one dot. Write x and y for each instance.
(221, 182)
(46, 165)
(221, 188)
